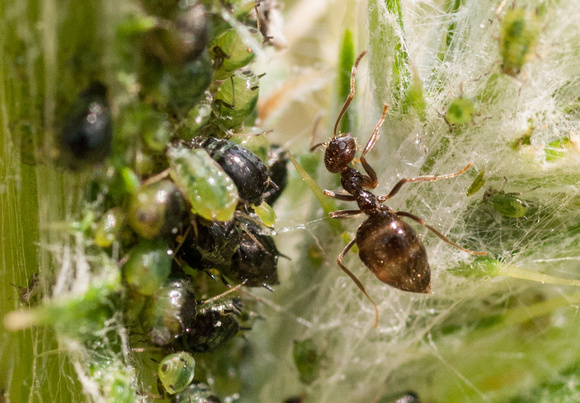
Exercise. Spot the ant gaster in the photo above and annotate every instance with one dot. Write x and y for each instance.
(387, 245)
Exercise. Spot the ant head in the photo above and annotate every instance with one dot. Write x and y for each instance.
(339, 153)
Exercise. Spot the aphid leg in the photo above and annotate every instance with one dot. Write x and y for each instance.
(371, 181)
(342, 214)
(356, 280)
(400, 184)
(339, 196)
(351, 95)
(440, 235)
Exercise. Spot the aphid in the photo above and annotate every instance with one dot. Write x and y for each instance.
(176, 371)
(387, 245)
(210, 190)
(307, 360)
(236, 99)
(507, 204)
(211, 246)
(156, 210)
(461, 110)
(230, 53)
(148, 266)
(215, 324)
(518, 36)
(108, 227)
(31, 290)
(196, 392)
(170, 312)
(277, 171)
(244, 167)
(407, 397)
(476, 184)
(182, 88)
(87, 132)
(255, 262)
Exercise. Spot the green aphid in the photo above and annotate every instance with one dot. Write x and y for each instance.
(307, 360)
(169, 312)
(477, 183)
(176, 371)
(266, 213)
(108, 227)
(211, 192)
(237, 98)
(148, 266)
(519, 33)
(461, 110)
(230, 53)
(197, 392)
(155, 211)
(507, 204)
(182, 88)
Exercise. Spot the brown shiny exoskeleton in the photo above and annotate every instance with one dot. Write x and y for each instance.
(388, 246)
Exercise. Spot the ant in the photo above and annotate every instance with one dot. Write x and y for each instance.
(387, 245)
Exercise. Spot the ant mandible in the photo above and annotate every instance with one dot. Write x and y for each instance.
(387, 245)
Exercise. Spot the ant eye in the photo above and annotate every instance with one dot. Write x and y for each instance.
(176, 371)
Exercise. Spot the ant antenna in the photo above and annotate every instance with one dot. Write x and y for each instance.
(351, 95)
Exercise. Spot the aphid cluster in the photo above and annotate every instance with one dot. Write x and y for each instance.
(180, 196)
(387, 245)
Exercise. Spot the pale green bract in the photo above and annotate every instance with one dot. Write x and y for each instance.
(211, 192)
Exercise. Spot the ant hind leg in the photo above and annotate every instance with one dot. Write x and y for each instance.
(433, 230)
(356, 280)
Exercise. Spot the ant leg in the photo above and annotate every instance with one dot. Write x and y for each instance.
(339, 196)
(356, 280)
(351, 95)
(400, 184)
(440, 235)
(371, 181)
(341, 214)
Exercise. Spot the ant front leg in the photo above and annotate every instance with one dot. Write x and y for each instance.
(433, 230)
(339, 196)
(400, 184)
(371, 181)
(342, 214)
(356, 280)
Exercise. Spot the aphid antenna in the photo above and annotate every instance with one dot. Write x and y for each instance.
(352, 91)
(156, 178)
(223, 294)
